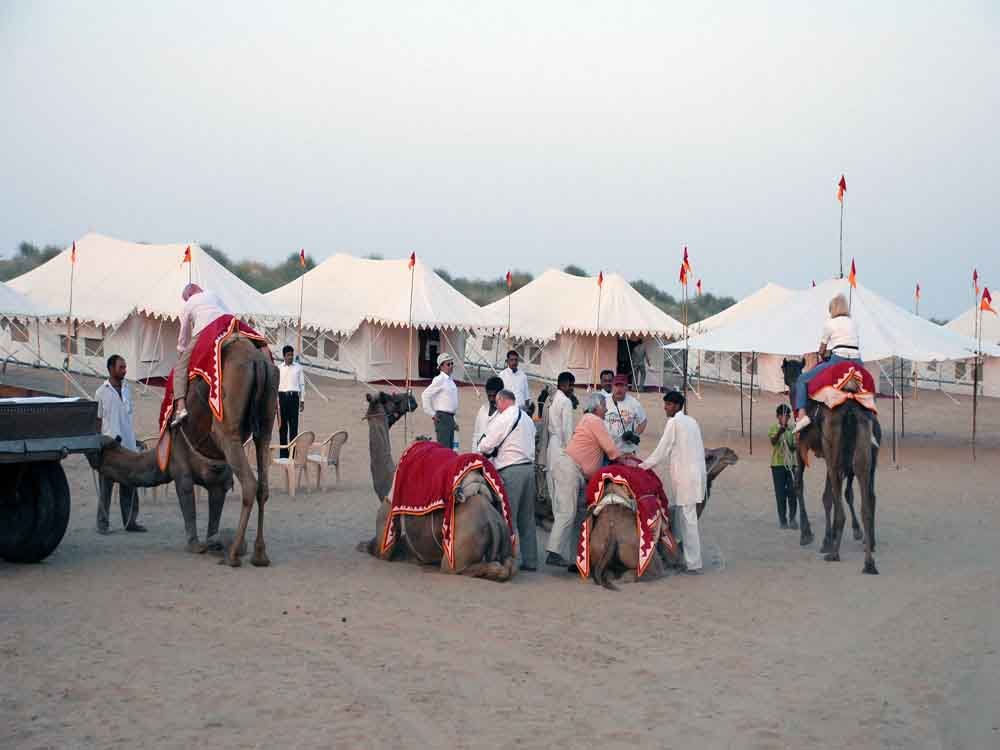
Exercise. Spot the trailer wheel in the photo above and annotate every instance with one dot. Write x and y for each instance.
(40, 510)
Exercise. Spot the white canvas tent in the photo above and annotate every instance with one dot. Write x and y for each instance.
(356, 313)
(554, 324)
(20, 324)
(724, 367)
(957, 376)
(126, 300)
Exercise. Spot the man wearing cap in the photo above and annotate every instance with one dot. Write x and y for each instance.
(625, 419)
(515, 380)
(440, 400)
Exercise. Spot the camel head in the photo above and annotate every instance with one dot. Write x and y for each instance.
(125, 466)
(717, 459)
(791, 369)
(390, 405)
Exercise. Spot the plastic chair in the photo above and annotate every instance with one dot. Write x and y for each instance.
(295, 464)
(327, 455)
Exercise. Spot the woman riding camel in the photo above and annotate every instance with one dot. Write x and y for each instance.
(840, 341)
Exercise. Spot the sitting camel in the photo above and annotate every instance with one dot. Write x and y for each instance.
(207, 452)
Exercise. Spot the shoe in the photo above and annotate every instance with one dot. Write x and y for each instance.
(529, 568)
(689, 572)
(783, 524)
(793, 524)
(179, 417)
(104, 531)
(802, 423)
(573, 569)
(554, 558)
(136, 527)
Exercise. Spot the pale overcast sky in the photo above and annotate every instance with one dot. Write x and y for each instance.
(527, 135)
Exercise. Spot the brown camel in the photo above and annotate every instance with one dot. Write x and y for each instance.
(614, 543)
(847, 439)
(208, 452)
(482, 541)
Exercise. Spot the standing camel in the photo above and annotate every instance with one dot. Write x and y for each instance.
(847, 438)
(207, 452)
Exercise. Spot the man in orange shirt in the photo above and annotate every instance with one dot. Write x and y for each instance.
(584, 455)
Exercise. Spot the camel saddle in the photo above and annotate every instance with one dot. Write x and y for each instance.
(843, 382)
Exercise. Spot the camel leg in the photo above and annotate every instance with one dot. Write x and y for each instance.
(216, 499)
(260, 558)
(805, 529)
(864, 459)
(185, 496)
(232, 446)
(828, 511)
(839, 517)
(849, 496)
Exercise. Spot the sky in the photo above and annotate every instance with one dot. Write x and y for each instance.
(525, 135)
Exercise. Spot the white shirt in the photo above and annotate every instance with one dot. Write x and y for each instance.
(115, 413)
(684, 453)
(560, 421)
(199, 310)
(440, 395)
(483, 418)
(519, 445)
(291, 379)
(516, 383)
(841, 331)
(631, 416)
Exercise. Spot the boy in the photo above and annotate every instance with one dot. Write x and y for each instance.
(784, 460)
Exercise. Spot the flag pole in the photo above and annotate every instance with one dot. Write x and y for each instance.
(69, 317)
(302, 288)
(409, 347)
(975, 376)
(842, 236)
(597, 330)
(684, 296)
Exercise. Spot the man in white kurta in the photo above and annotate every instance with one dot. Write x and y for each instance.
(682, 451)
(114, 416)
(515, 379)
(559, 423)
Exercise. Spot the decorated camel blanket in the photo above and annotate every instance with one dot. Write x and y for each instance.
(651, 518)
(426, 480)
(206, 362)
(828, 387)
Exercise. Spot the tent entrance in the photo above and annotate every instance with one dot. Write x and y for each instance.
(429, 343)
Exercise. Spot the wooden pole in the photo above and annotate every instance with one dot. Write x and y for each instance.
(597, 331)
(977, 312)
(753, 362)
(409, 351)
(742, 430)
(684, 390)
(302, 287)
(69, 317)
(892, 381)
(842, 199)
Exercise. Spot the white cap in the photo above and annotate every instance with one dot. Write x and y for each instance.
(445, 357)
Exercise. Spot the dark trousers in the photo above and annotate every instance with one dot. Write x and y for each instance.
(444, 428)
(288, 405)
(128, 500)
(784, 493)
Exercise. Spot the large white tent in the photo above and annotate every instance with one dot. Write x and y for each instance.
(720, 366)
(20, 323)
(126, 300)
(356, 314)
(555, 325)
(957, 376)
(885, 329)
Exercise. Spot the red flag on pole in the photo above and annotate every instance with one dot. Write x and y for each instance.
(697, 287)
(413, 261)
(684, 275)
(814, 282)
(853, 278)
(510, 280)
(302, 257)
(72, 254)
(187, 255)
(687, 262)
(975, 280)
(918, 291)
(600, 278)
(986, 304)
(841, 188)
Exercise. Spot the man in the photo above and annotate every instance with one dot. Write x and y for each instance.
(607, 378)
(487, 411)
(200, 309)
(291, 397)
(440, 401)
(584, 455)
(516, 380)
(114, 418)
(559, 423)
(510, 443)
(683, 451)
(640, 359)
(626, 419)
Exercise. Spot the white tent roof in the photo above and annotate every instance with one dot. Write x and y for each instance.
(885, 329)
(343, 292)
(13, 303)
(558, 302)
(114, 278)
(766, 297)
(965, 324)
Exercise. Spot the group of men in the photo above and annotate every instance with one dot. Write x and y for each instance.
(573, 451)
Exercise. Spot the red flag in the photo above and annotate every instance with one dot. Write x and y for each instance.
(302, 257)
(975, 280)
(918, 290)
(687, 263)
(841, 188)
(986, 304)
(187, 255)
(853, 278)
(814, 282)
(684, 275)
(413, 261)
(510, 280)
(72, 254)
(698, 287)
(600, 278)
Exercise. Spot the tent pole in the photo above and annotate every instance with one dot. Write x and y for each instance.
(893, 381)
(409, 351)
(742, 430)
(753, 361)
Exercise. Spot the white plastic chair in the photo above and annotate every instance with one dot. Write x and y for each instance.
(295, 465)
(327, 455)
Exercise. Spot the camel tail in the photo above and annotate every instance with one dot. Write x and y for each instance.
(849, 427)
(258, 395)
(601, 564)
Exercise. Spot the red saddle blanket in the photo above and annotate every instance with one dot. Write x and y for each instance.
(426, 480)
(651, 519)
(206, 362)
(828, 387)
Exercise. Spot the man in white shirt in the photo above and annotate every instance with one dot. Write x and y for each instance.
(516, 380)
(683, 451)
(114, 417)
(440, 401)
(486, 412)
(291, 397)
(607, 378)
(625, 419)
(559, 423)
(510, 443)
(200, 309)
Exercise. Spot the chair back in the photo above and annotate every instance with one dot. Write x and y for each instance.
(334, 444)
(299, 447)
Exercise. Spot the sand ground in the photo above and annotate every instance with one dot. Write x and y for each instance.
(127, 641)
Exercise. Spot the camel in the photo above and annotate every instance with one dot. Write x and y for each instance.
(848, 439)
(482, 541)
(208, 452)
(614, 544)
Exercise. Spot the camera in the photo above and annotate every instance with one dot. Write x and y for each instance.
(630, 437)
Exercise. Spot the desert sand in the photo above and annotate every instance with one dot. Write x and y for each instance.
(128, 641)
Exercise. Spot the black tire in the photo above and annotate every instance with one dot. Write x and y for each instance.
(18, 513)
(43, 486)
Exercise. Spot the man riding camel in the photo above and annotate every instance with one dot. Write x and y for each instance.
(200, 309)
